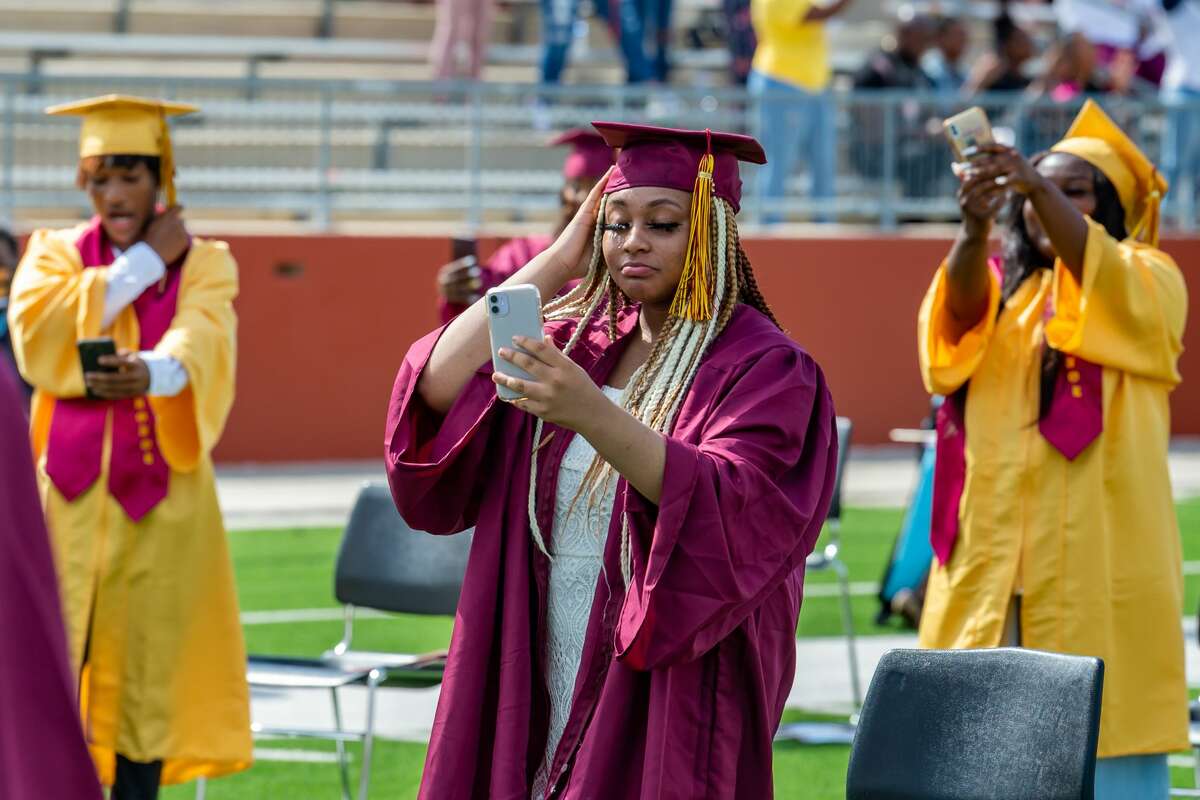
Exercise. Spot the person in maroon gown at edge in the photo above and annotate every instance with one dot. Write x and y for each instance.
(627, 623)
(42, 751)
(463, 281)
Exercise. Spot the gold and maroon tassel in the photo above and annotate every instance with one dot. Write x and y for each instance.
(694, 297)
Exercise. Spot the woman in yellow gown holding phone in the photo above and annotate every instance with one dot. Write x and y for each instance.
(1054, 526)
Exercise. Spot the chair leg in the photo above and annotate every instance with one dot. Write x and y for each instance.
(843, 577)
(341, 746)
(364, 776)
(201, 788)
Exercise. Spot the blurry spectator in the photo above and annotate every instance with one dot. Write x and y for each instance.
(739, 34)
(791, 76)
(920, 154)
(1003, 70)
(942, 63)
(1181, 91)
(624, 18)
(656, 21)
(460, 39)
(1071, 70)
(10, 254)
(1071, 73)
(899, 66)
(1116, 27)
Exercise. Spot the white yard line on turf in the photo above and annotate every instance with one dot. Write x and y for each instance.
(811, 591)
(298, 756)
(288, 615)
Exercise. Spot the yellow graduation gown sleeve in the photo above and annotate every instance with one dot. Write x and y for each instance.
(1129, 311)
(151, 608)
(1092, 544)
(947, 361)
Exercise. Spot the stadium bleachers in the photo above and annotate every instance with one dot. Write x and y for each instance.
(322, 110)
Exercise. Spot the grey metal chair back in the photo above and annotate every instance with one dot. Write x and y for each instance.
(844, 428)
(384, 564)
(1005, 724)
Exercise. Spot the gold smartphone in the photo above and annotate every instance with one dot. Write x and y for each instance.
(968, 131)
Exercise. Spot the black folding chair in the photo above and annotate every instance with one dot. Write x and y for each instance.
(382, 564)
(1004, 724)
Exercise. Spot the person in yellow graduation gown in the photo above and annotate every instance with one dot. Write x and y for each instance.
(123, 457)
(1054, 526)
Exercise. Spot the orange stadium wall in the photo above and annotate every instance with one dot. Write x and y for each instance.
(326, 320)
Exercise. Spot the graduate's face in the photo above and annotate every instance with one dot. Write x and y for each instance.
(645, 239)
(124, 198)
(1076, 179)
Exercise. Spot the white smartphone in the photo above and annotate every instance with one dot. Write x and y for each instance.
(512, 311)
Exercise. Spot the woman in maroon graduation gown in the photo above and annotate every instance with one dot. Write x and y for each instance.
(628, 618)
(42, 750)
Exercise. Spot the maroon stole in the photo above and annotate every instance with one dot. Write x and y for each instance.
(1073, 421)
(138, 475)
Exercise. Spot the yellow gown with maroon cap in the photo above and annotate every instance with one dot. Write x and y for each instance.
(1091, 544)
(151, 604)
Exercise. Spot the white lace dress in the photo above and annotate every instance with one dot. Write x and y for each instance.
(577, 548)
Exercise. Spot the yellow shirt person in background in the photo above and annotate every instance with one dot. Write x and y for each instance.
(790, 77)
(1059, 531)
(123, 457)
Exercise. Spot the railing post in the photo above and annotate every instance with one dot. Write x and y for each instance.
(887, 211)
(475, 159)
(324, 209)
(325, 23)
(1187, 120)
(754, 125)
(121, 17)
(8, 196)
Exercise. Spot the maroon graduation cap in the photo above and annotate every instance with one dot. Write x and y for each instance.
(670, 158)
(590, 155)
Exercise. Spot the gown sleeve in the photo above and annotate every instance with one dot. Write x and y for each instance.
(203, 338)
(436, 465)
(739, 512)
(947, 362)
(54, 302)
(1127, 313)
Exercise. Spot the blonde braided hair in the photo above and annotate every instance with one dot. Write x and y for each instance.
(656, 390)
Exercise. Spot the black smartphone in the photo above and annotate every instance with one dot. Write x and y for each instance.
(463, 246)
(90, 351)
